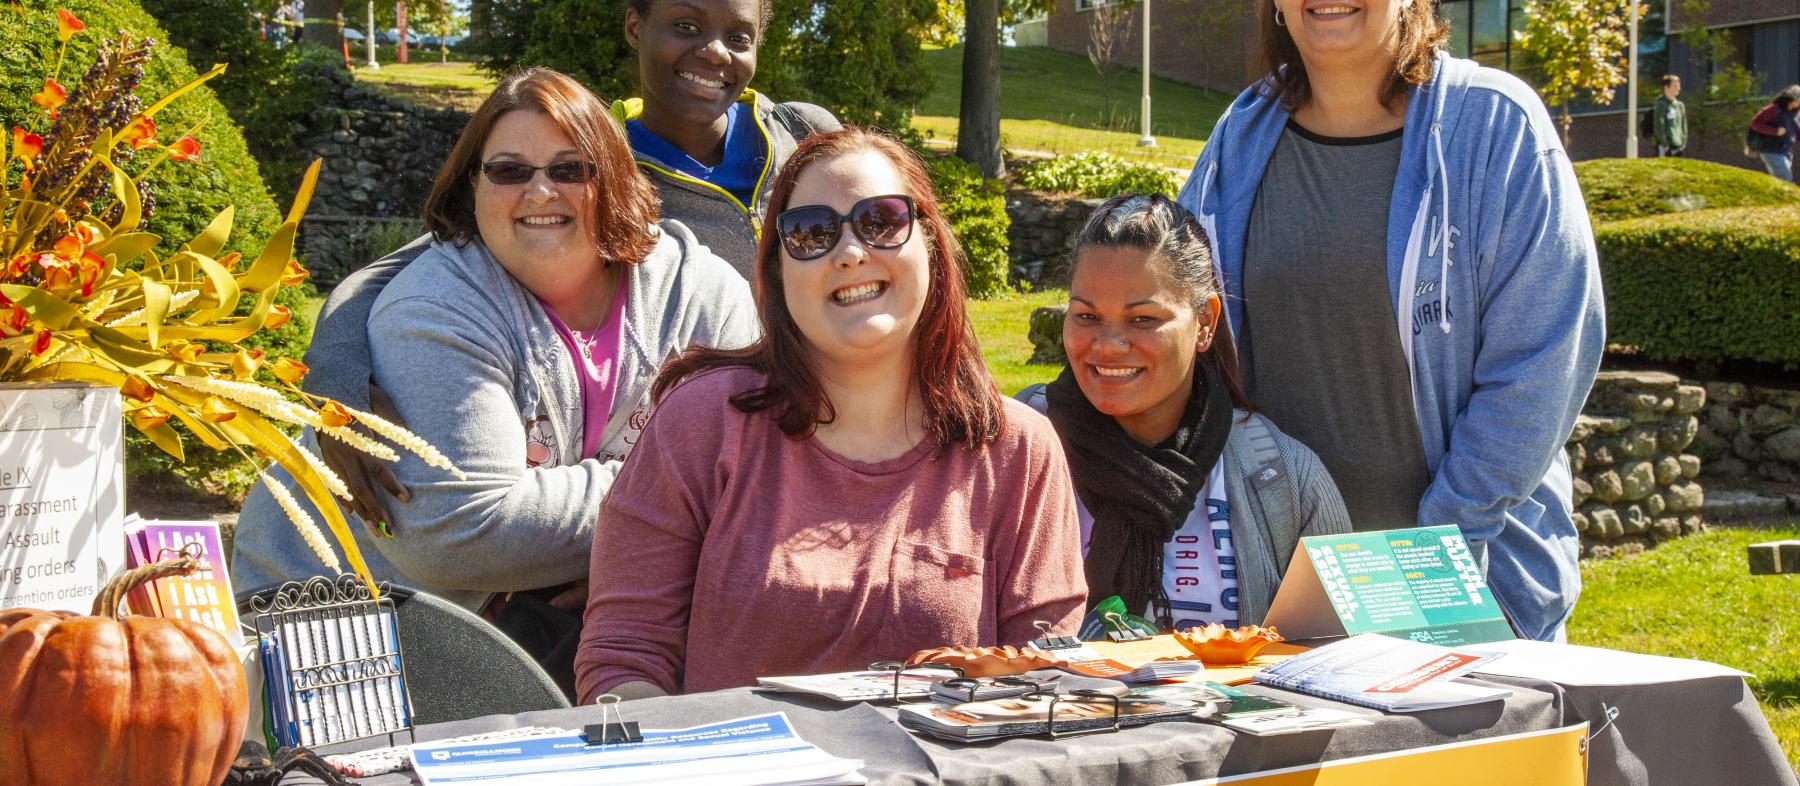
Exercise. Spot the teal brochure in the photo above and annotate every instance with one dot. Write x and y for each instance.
(1423, 584)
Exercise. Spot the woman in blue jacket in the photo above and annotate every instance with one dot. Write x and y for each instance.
(1370, 168)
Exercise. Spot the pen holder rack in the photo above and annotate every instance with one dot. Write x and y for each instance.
(333, 667)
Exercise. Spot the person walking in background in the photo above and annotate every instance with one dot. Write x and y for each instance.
(1670, 117)
(1772, 132)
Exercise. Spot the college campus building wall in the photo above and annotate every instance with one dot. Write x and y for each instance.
(1211, 43)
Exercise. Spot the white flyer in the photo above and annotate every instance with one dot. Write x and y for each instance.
(62, 494)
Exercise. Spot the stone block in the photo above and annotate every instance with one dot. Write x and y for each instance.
(1727, 393)
(1046, 334)
(1721, 419)
(1637, 479)
(1668, 470)
(1577, 457)
(1764, 558)
(1630, 546)
(1584, 428)
(1640, 442)
(1606, 524)
(1582, 490)
(1634, 519)
(1783, 446)
(1611, 425)
(1766, 419)
(1608, 487)
(1645, 417)
(1780, 473)
(1654, 505)
(1746, 447)
(1689, 399)
(1601, 452)
(1738, 506)
(1692, 524)
(1580, 520)
(1666, 528)
(1690, 466)
(1684, 497)
(1709, 445)
(1677, 433)
(1727, 467)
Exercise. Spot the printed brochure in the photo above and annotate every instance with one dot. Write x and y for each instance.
(1396, 675)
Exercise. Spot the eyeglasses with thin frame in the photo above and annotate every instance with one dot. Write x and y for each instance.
(512, 173)
(811, 231)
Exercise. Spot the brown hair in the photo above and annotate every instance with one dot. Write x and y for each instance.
(1421, 35)
(962, 405)
(1160, 228)
(624, 203)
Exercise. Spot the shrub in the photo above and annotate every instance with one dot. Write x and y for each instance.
(976, 209)
(1618, 188)
(187, 197)
(1098, 175)
(1711, 286)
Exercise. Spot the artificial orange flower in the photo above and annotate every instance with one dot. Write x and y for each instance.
(146, 418)
(230, 260)
(13, 321)
(185, 351)
(139, 133)
(90, 266)
(212, 410)
(287, 370)
(245, 363)
(52, 96)
(57, 280)
(278, 316)
(41, 343)
(186, 148)
(138, 389)
(335, 415)
(294, 274)
(67, 25)
(26, 147)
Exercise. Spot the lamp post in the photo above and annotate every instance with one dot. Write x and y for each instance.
(369, 40)
(1631, 89)
(1146, 140)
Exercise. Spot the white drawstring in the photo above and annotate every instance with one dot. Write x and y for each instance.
(1437, 145)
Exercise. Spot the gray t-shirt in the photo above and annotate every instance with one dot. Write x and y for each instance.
(1320, 354)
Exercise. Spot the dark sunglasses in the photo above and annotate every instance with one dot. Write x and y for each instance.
(810, 231)
(512, 173)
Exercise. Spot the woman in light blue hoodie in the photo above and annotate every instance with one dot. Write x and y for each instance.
(1370, 168)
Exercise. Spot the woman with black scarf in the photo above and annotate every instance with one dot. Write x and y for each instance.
(1191, 504)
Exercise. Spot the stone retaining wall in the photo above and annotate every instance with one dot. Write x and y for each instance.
(1750, 431)
(1634, 479)
(1043, 228)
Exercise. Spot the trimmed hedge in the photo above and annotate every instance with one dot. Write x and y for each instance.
(1099, 175)
(976, 208)
(1618, 188)
(1710, 286)
(188, 196)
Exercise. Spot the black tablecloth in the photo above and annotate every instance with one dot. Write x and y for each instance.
(1693, 732)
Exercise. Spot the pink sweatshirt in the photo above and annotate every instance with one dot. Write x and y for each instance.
(727, 551)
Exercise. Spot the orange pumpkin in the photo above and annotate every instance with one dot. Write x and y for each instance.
(114, 699)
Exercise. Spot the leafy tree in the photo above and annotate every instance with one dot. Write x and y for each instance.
(1575, 47)
(978, 129)
(1106, 25)
(1716, 119)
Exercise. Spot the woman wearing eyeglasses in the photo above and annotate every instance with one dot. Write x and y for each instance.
(519, 343)
(851, 487)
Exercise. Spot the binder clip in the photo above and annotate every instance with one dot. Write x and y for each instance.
(612, 728)
(900, 669)
(1119, 629)
(1050, 642)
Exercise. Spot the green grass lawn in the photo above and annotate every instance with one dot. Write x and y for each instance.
(430, 83)
(1695, 598)
(1050, 101)
(1001, 325)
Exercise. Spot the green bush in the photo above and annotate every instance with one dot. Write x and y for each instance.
(976, 208)
(1098, 175)
(187, 196)
(1619, 188)
(1711, 286)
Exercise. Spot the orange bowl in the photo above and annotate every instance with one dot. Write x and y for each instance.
(1216, 643)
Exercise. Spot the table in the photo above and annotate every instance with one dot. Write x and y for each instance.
(1691, 732)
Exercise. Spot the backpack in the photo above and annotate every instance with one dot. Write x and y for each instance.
(1647, 125)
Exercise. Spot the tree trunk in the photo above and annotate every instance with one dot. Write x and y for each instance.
(1568, 123)
(400, 22)
(322, 23)
(978, 134)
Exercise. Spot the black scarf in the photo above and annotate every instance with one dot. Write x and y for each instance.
(1139, 496)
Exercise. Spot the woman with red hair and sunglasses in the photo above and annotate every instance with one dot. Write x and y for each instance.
(851, 487)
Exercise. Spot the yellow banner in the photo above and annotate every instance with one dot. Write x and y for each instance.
(1553, 757)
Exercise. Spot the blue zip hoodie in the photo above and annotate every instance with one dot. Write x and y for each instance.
(1500, 374)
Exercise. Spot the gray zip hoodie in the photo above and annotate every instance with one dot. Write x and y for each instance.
(475, 366)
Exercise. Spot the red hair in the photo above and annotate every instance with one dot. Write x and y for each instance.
(962, 405)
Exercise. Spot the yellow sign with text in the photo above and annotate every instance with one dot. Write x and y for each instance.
(1553, 757)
